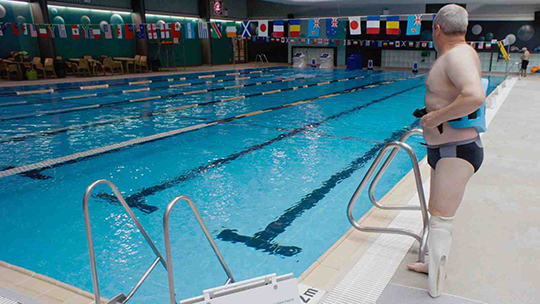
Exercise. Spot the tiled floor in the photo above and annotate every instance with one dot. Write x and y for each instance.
(41, 288)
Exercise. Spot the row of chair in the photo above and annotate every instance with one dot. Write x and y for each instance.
(76, 67)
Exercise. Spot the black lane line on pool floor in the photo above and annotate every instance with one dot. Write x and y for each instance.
(139, 198)
(150, 98)
(22, 137)
(136, 79)
(263, 240)
(73, 99)
(79, 156)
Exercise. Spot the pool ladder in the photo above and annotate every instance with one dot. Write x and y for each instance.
(395, 146)
(262, 59)
(167, 263)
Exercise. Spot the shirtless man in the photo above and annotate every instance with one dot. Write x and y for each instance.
(525, 62)
(454, 90)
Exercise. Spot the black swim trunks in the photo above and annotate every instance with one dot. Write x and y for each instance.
(524, 64)
(470, 150)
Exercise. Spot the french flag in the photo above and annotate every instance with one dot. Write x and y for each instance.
(373, 25)
(278, 28)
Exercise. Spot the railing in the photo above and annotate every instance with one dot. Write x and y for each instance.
(119, 298)
(167, 240)
(262, 59)
(508, 70)
(395, 146)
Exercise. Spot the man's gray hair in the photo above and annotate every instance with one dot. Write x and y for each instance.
(453, 20)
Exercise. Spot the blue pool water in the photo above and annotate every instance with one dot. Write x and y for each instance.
(272, 188)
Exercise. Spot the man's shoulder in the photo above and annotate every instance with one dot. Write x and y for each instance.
(460, 55)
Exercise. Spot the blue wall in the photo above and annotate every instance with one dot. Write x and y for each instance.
(17, 12)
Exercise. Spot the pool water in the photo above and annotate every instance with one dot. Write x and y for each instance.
(272, 188)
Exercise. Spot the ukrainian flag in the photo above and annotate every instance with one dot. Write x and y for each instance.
(392, 25)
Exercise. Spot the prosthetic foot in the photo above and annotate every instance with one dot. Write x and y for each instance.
(439, 242)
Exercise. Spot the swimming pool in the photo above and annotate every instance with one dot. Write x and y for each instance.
(272, 186)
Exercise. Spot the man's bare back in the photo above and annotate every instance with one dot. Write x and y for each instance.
(441, 91)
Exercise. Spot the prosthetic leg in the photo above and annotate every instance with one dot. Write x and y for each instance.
(439, 242)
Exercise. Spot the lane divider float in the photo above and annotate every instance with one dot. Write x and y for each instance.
(135, 90)
(35, 92)
(79, 96)
(140, 82)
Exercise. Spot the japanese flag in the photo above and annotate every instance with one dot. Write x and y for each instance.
(263, 29)
(354, 26)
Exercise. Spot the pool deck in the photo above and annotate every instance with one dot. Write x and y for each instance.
(187, 70)
(496, 247)
(34, 286)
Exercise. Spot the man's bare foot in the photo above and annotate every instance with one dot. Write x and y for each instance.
(418, 267)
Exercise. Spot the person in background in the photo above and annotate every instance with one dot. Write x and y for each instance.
(525, 61)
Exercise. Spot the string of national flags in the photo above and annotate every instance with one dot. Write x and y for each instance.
(252, 30)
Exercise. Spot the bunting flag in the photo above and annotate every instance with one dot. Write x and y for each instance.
(332, 27)
(152, 31)
(373, 25)
(231, 29)
(15, 28)
(52, 30)
(414, 23)
(354, 26)
(118, 31)
(314, 26)
(96, 31)
(488, 45)
(216, 30)
(203, 30)
(262, 29)
(480, 45)
(128, 31)
(107, 31)
(294, 28)
(177, 26)
(424, 44)
(397, 44)
(411, 44)
(62, 33)
(165, 31)
(3, 27)
(319, 41)
(75, 31)
(471, 44)
(190, 30)
(430, 44)
(43, 30)
(279, 29)
(140, 32)
(246, 29)
(392, 25)
(85, 31)
(24, 27)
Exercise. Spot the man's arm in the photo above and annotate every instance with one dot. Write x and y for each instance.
(461, 69)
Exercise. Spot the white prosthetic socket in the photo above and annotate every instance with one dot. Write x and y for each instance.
(439, 242)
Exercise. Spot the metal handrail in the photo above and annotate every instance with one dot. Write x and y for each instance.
(95, 281)
(262, 58)
(395, 146)
(167, 240)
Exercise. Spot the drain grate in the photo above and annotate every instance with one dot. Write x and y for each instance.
(4, 300)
